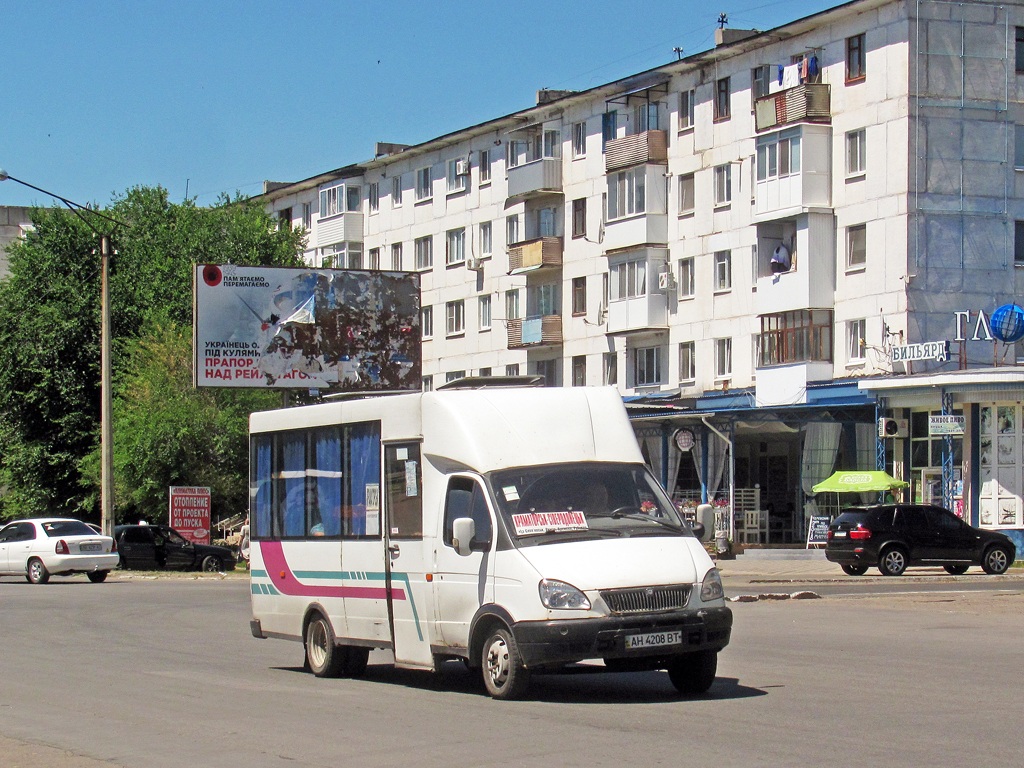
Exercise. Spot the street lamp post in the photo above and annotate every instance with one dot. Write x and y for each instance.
(106, 420)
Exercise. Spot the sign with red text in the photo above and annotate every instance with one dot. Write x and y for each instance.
(190, 512)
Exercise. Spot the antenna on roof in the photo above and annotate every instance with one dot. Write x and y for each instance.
(678, 52)
(723, 19)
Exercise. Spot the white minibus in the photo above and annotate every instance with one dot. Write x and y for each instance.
(516, 528)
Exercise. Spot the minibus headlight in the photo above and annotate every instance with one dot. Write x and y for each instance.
(711, 587)
(561, 596)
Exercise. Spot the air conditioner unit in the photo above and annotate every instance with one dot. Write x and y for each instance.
(475, 263)
(461, 167)
(666, 280)
(893, 428)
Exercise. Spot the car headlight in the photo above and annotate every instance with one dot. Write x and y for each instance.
(711, 587)
(560, 596)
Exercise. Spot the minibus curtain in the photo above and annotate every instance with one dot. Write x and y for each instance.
(328, 480)
(364, 469)
(294, 477)
(260, 490)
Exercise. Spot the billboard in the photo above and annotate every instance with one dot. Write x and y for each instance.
(190, 512)
(282, 327)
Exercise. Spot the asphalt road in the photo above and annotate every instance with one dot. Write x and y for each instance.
(152, 673)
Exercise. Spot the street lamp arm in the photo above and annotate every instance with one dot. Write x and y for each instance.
(71, 204)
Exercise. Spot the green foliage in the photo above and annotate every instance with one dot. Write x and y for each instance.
(50, 345)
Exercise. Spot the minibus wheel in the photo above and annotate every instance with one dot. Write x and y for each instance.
(504, 675)
(693, 673)
(323, 657)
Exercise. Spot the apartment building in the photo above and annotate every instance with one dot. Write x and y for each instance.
(767, 247)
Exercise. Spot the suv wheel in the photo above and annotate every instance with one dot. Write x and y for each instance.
(854, 569)
(893, 562)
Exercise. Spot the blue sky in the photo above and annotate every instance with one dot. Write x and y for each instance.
(210, 96)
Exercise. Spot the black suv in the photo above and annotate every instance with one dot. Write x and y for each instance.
(894, 536)
(156, 547)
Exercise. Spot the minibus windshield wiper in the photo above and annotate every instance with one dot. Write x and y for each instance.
(647, 519)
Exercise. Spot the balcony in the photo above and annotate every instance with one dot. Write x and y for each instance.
(804, 103)
(646, 147)
(810, 281)
(807, 186)
(340, 227)
(535, 254)
(642, 313)
(543, 331)
(537, 177)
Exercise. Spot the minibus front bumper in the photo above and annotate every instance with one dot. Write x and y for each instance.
(552, 643)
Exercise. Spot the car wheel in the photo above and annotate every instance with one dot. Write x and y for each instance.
(956, 569)
(212, 564)
(693, 673)
(502, 668)
(854, 569)
(995, 561)
(323, 657)
(97, 577)
(893, 562)
(37, 573)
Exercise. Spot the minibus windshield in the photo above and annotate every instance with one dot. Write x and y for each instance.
(573, 502)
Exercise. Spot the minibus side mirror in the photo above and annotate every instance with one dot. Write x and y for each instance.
(463, 530)
(698, 530)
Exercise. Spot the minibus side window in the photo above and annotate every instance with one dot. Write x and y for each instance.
(293, 488)
(465, 498)
(405, 491)
(260, 485)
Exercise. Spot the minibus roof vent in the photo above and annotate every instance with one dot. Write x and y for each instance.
(483, 382)
(365, 394)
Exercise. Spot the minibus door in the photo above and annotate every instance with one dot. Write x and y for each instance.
(405, 559)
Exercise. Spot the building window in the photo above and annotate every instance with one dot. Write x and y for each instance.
(485, 312)
(579, 217)
(686, 278)
(484, 371)
(723, 184)
(1018, 242)
(486, 239)
(424, 186)
(512, 229)
(512, 369)
(796, 337)
(723, 358)
(579, 371)
(458, 175)
(647, 366)
(428, 383)
(628, 280)
(856, 246)
(755, 353)
(548, 369)
(686, 102)
(424, 247)
(645, 117)
(855, 333)
(722, 96)
(1020, 48)
(374, 258)
(779, 157)
(427, 322)
(760, 77)
(579, 295)
(579, 139)
(855, 149)
(455, 246)
(547, 222)
(396, 191)
(512, 304)
(373, 197)
(342, 256)
(396, 257)
(485, 166)
(609, 127)
(454, 376)
(686, 195)
(687, 365)
(610, 373)
(332, 201)
(552, 144)
(307, 216)
(284, 218)
(856, 68)
(723, 271)
(455, 317)
(626, 193)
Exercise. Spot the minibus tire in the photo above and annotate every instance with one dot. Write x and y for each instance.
(501, 666)
(323, 657)
(355, 660)
(693, 673)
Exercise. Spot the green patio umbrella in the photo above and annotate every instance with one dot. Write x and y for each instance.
(855, 481)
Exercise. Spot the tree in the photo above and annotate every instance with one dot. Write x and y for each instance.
(49, 329)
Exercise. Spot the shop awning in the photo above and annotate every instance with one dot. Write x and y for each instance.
(859, 482)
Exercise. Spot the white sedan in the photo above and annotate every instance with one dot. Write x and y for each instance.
(39, 548)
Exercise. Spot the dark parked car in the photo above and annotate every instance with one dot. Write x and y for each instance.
(158, 547)
(895, 536)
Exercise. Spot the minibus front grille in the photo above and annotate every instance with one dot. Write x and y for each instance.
(646, 599)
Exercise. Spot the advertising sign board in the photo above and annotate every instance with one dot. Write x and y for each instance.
(278, 327)
(190, 512)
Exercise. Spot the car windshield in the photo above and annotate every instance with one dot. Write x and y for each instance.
(577, 502)
(67, 528)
